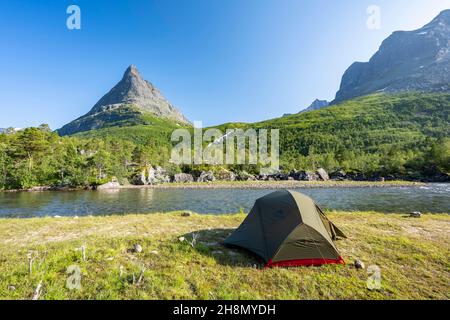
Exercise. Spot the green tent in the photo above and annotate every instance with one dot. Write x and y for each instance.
(287, 228)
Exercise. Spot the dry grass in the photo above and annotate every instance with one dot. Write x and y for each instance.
(412, 254)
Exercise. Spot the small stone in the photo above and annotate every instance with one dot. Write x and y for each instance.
(415, 214)
(154, 252)
(137, 248)
(11, 288)
(186, 214)
(181, 239)
(359, 264)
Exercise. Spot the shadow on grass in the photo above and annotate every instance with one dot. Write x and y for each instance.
(210, 243)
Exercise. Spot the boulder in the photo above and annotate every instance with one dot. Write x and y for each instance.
(263, 177)
(157, 175)
(338, 175)
(109, 185)
(225, 175)
(161, 175)
(140, 179)
(295, 175)
(183, 178)
(304, 176)
(415, 214)
(244, 176)
(323, 175)
(151, 178)
(186, 214)
(40, 188)
(280, 176)
(137, 248)
(359, 264)
(356, 176)
(206, 176)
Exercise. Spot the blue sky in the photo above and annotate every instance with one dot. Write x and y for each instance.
(216, 60)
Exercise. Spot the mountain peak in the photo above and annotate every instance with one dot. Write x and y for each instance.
(316, 105)
(444, 17)
(131, 72)
(131, 92)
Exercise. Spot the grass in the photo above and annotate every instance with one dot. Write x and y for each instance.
(411, 253)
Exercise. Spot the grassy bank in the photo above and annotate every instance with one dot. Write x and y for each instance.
(412, 254)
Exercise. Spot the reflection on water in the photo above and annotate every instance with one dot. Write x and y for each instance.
(429, 198)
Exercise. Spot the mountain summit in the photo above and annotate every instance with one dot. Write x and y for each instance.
(416, 60)
(125, 104)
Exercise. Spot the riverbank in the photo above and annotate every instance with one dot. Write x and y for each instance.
(280, 184)
(411, 253)
(242, 185)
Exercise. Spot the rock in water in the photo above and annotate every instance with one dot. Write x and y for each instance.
(127, 102)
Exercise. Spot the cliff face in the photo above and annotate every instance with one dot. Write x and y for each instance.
(406, 61)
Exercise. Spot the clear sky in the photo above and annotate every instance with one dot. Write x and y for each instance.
(216, 60)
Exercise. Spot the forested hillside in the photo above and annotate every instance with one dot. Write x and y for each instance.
(403, 136)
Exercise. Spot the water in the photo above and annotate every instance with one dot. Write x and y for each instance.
(430, 198)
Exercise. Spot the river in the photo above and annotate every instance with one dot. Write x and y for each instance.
(433, 198)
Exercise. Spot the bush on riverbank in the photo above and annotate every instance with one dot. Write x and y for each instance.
(411, 253)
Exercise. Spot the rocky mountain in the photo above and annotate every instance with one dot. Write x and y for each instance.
(127, 103)
(406, 61)
(315, 105)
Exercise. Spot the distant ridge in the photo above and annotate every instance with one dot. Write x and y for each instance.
(315, 105)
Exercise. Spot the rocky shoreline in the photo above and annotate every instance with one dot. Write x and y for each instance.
(158, 178)
(279, 185)
(237, 185)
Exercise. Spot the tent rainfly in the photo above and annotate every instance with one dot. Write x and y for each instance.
(288, 229)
